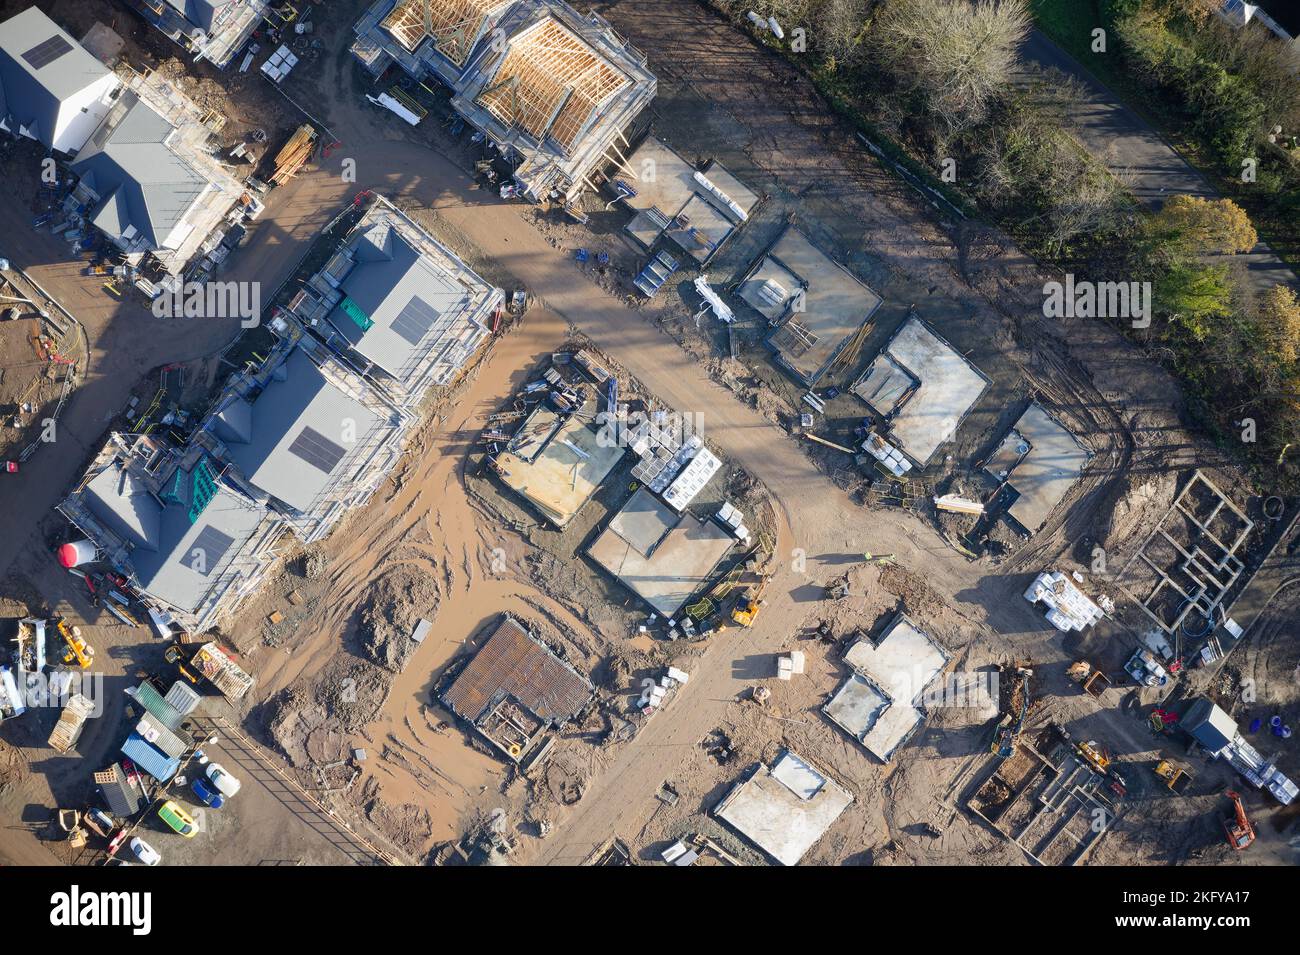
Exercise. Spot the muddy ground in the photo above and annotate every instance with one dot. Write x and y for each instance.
(374, 690)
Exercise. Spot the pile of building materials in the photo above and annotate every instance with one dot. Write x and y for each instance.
(656, 694)
(71, 721)
(790, 665)
(295, 154)
(1067, 606)
(279, 64)
(12, 701)
(1216, 731)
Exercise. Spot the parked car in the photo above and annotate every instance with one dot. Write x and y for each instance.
(178, 819)
(146, 853)
(207, 794)
(226, 784)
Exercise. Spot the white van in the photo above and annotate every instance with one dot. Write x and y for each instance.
(226, 784)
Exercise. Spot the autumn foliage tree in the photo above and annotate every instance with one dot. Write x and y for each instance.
(1191, 226)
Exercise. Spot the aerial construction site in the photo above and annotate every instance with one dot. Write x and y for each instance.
(507, 432)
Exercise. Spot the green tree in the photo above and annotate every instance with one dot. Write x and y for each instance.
(1193, 296)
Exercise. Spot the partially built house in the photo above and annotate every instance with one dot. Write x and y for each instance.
(922, 388)
(881, 703)
(292, 444)
(188, 539)
(694, 210)
(398, 305)
(213, 30)
(51, 89)
(1040, 461)
(1189, 569)
(661, 556)
(305, 435)
(1046, 800)
(557, 461)
(514, 689)
(817, 305)
(150, 178)
(555, 92)
(784, 808)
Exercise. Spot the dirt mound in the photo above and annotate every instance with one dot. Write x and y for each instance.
(408, 825)
(393, 606)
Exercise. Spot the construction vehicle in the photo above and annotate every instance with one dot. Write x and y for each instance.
(174, 655)
(838, 588)
(1092, 680)
(1101, 760)
(1008, 730)
(1095, 755)
(1237, 827)
(78, 649)
(1175, 777)
(750, 601)
(751, 577)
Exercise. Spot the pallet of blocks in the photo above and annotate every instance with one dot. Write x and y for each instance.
(295, 154)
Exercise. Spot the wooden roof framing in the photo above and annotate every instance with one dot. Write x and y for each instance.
(550, 83)
(453, 25)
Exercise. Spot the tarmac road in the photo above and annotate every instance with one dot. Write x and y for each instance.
(1130, 148)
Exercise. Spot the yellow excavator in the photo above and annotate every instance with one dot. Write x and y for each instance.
(753, 576)
(78, 649)
(748, 603)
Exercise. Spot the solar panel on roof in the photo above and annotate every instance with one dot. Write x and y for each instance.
(45, 53)
(415, 320)
(317, 450)
(209, 547)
